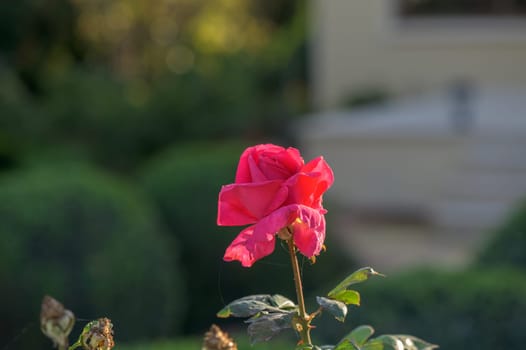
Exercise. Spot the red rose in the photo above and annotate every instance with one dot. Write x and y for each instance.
(274, 189)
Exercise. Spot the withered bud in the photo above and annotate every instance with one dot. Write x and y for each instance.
(56, 322)
(97, 335)
(216, 339)
(285, 233)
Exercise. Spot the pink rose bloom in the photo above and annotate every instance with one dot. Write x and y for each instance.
(274, 189)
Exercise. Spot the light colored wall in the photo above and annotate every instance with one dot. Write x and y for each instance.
(390, 171)
(361, 43)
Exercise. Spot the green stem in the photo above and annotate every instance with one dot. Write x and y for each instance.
(302, 323)
(76, 345)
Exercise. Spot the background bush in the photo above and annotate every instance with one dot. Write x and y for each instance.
(90, 241)
(475, 309)
(507, 245)
(185, 183)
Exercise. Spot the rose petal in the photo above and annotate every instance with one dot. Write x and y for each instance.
(281, 164)
(242, 204)
(249, 247)
(308, 227)
(256, 175)
(324, 171)
(309, 186)
(276, 220)
(243, 169)
(309, 231)
(268, 162)
(302, 189)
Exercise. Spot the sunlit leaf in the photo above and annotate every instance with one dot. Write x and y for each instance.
(314, 347)
(346, 344)
(334, 307)
(413, 343)
(281, 302)
(384, 342)
(358, 276)
(360, 334)
(398, 342)
(349, 297)
(374, 344)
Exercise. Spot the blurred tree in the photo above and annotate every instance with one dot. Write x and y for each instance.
(147, 39)
(37, 34)
(120, 80)
(91, 241)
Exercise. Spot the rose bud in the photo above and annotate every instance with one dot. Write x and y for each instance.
(56, 322)
(216, 339)
(97, 335)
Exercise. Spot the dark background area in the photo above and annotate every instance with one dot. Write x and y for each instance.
(119, 122)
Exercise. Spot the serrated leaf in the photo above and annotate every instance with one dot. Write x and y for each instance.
(248, 306)
(334, 307)
(358, 276)
(349, 297)
(281, 302)
(264, 327)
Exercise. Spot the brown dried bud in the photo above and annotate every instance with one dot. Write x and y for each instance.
(98, 335)
(56, 322)
(216, 339)
(285, 233)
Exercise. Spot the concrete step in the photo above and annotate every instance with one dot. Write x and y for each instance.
(481, 215)
(504, 186)
(496, 156)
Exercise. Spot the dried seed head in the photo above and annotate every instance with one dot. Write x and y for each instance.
(98, 335)
(216, 339)
(56, 322)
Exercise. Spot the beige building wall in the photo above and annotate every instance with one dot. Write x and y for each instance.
(359, 44)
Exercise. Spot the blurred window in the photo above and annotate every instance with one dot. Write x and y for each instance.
(439, 8)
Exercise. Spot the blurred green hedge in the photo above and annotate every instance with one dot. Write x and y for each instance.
(185, 182)
(90, 241)
(507, 245)
(119, 123)
(474, 309)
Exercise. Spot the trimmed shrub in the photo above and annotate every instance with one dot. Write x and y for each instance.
(185, 182)
(507, 246)
(475, 309)
(93, 243)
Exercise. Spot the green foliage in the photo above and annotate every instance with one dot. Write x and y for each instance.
(268, 315)
(339, 297)
(358, 276)
(185, 182)
(360, 335)
(195, 343)
(476, 309)
(336, 308)
(254, 304)
(119, 124)
(507, 245)
(92, 242)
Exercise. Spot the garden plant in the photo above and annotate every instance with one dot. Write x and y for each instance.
(280, 198)
(56, 322)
